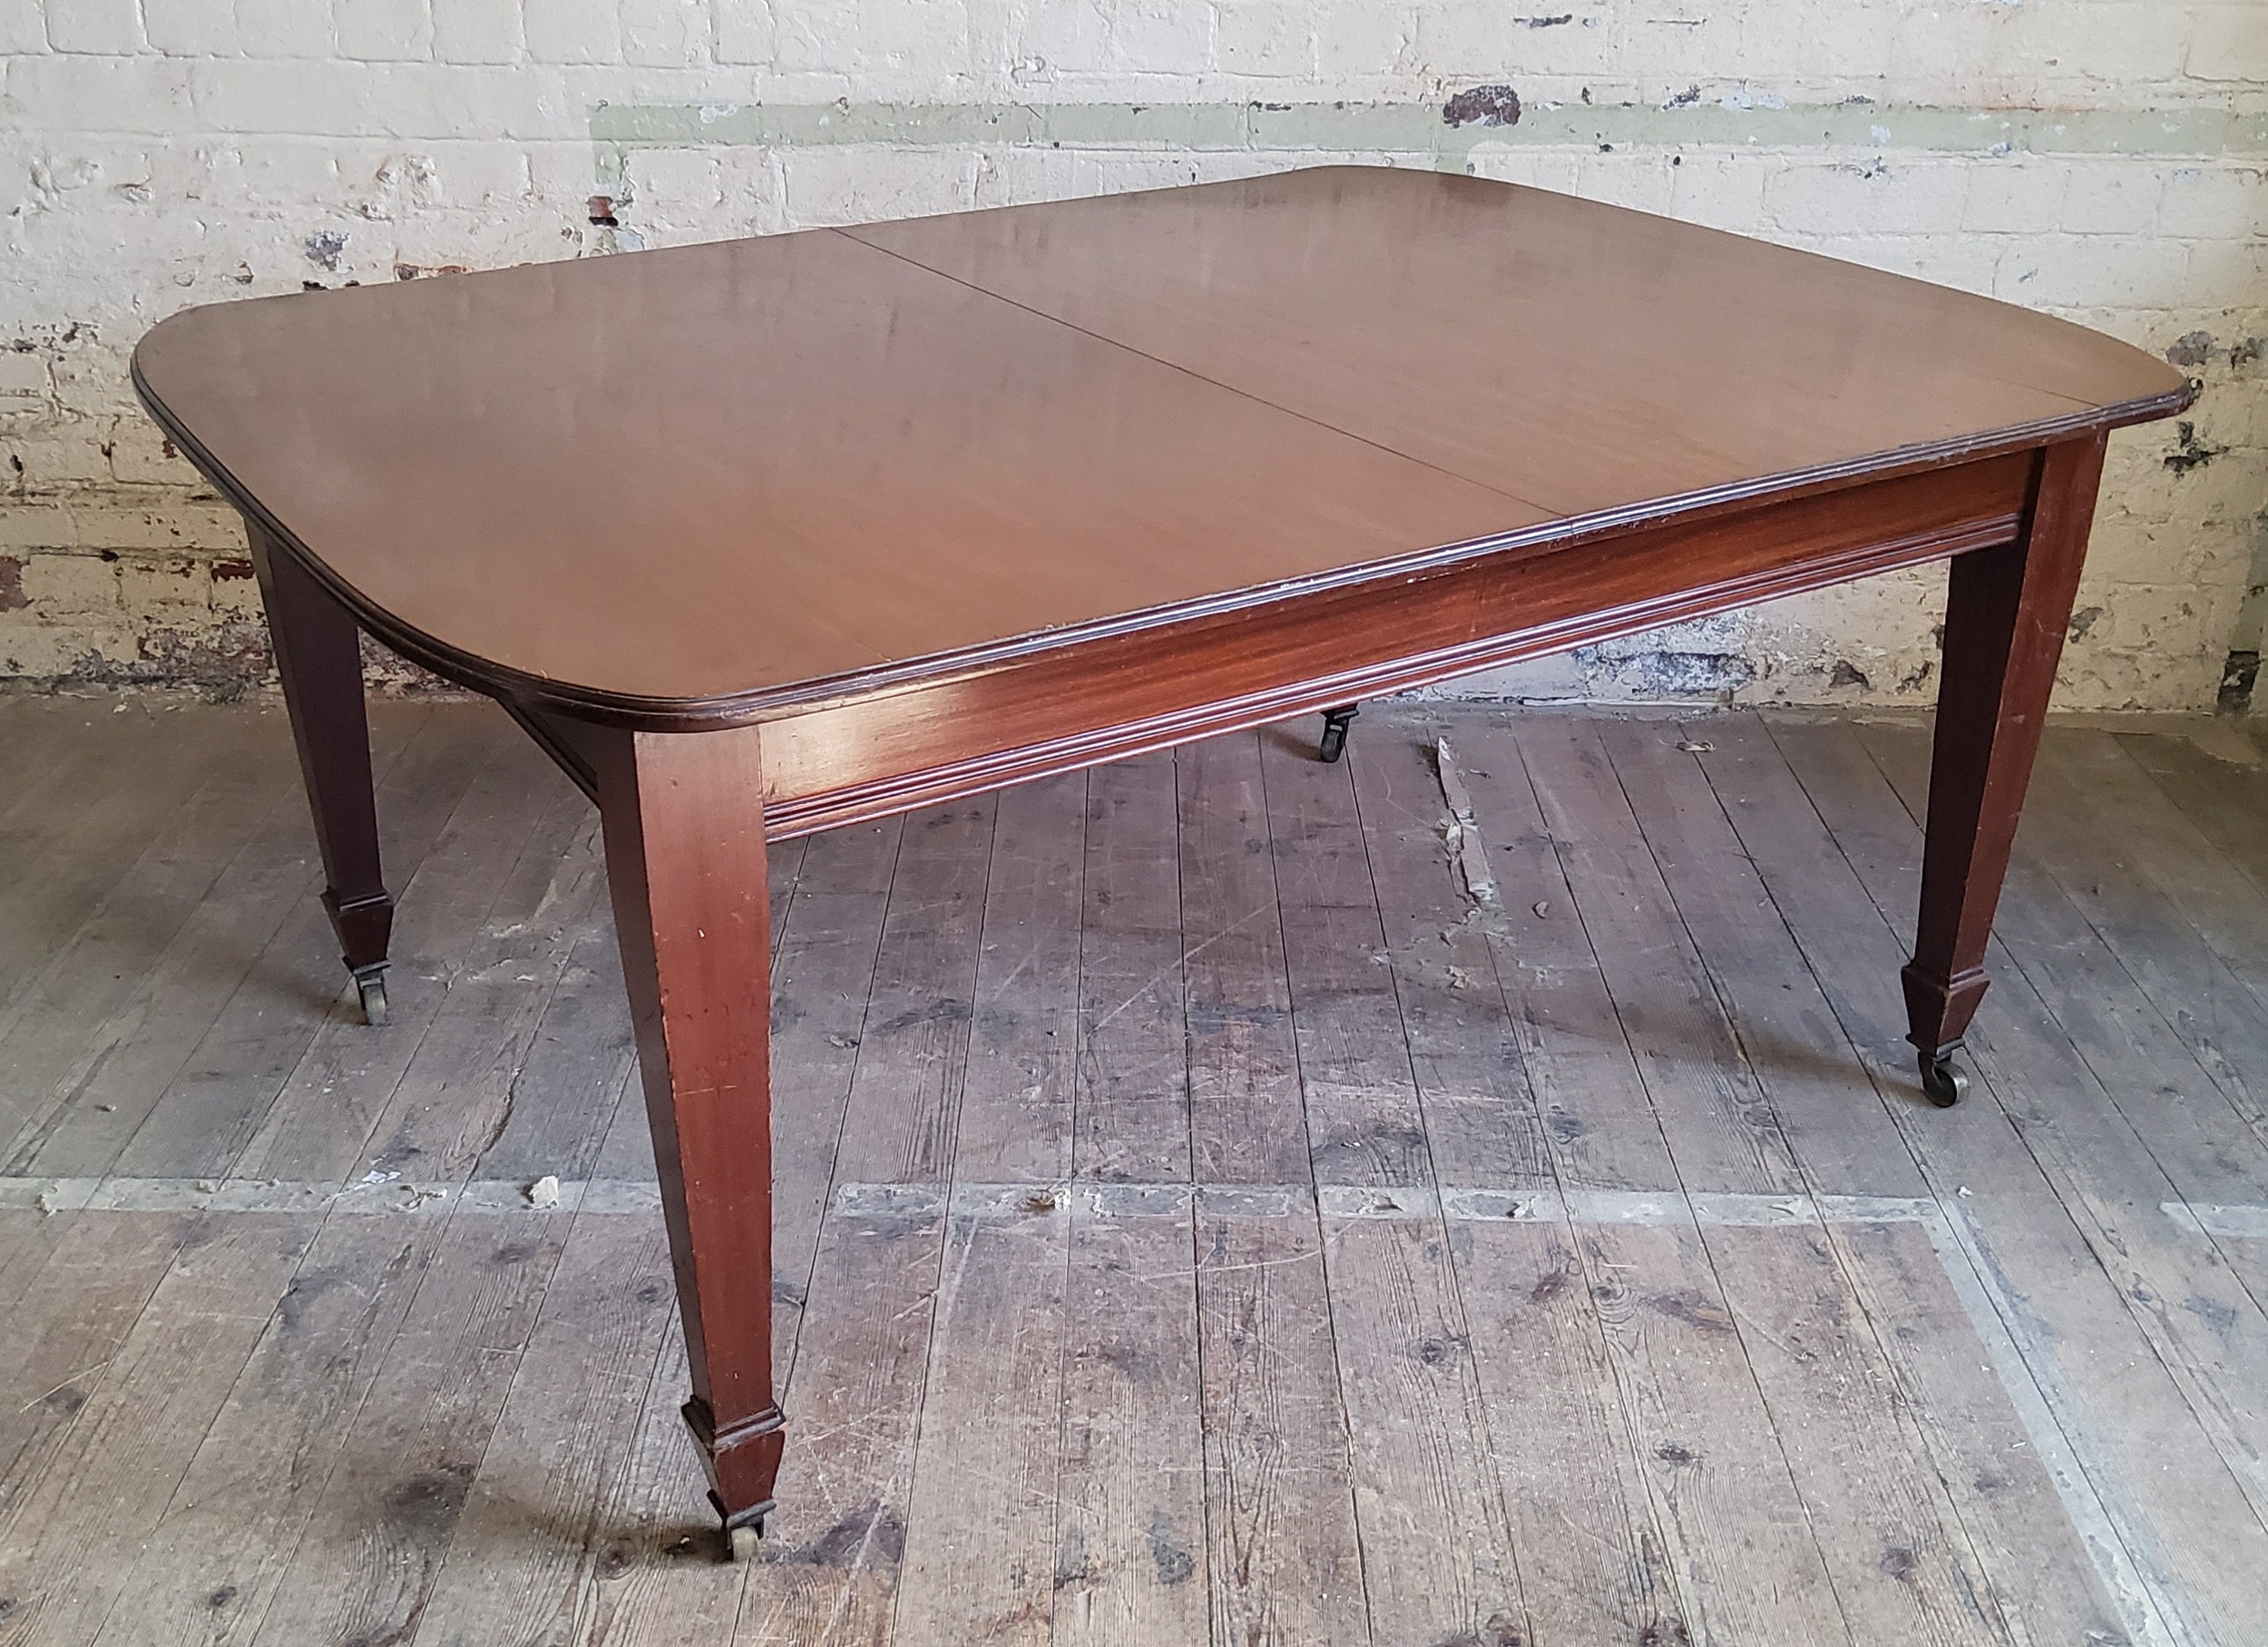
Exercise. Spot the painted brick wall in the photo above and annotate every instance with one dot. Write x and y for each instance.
(2105, 160)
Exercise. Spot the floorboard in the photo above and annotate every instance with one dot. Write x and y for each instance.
(1474, 1194)
(2170, 1520)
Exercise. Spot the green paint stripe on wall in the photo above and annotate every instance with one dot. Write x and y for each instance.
(1420, 128)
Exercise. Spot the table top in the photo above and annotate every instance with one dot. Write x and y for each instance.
(740, 476)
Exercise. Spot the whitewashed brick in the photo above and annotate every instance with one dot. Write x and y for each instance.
(1553, 169)
(2223, 202)
(2015, 197)
(1957, 52)
(1018, 175)
(747, 32)
(2112, 197)
(191, 28)
(235, 594)
(71, 583)
(1264, 37)
(2228, 42)
(85, 374)
(1161, 37)
(320, 99)
(2145, 681)
(66, 94)
(2248, 422)
(1851, 49)
(171, 526)
(478, 31)
(574, 31)
(437, 100)
(23, 376)
(1721, 191)
(1874, 197)
(1360, 39)
(1965, 262)
(749, 182)
(479, 174)
(2229, 490)
(54, 457)
(669, 179)
(865, 184)
(383, 30)
(33, 523)
(906, 47)
(108, 26)
(1480, 40)
(1063, 37)
(2053, 269)
(2124, 44)
(22, 26)
(164, 587)
(139, 454)
(1670, 46)
(558, 172)
(1641, 182)
(2226, 273)
(285, 28)
(815, 38)
(665, 34)
(279, 170)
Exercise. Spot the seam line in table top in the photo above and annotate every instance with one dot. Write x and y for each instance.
(1551, 511)
(1546, 510)
(1511, 537)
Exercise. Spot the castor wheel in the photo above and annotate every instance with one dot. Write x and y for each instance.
(744, 1533)
(370, 984)
(1335, 722)
(1943, 1080)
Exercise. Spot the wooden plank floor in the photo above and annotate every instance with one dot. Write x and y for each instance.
(1202, 1218)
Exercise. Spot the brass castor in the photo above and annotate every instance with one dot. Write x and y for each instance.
(1943, 1080)
(370, 986)
(1335, 722)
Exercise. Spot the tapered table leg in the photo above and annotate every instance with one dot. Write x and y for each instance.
(319, 656)
(684, 822)
(2006, 612)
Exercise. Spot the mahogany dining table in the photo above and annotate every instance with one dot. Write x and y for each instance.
(766, 536)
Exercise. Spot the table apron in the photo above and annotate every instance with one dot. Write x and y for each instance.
(1060, 710)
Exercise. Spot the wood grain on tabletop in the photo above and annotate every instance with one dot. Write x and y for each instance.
(720, 468)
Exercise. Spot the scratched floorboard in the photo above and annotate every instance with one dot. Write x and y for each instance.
(1206, 1219)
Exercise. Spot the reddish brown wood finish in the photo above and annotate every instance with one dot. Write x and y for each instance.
(2006, 610)
(1153, 687)
(684, 824)
(722, 483)
(318, 657)
(769, 537)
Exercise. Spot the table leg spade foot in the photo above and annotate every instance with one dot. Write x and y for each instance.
(370, 986)
(1944, 1081)
(1335, 725)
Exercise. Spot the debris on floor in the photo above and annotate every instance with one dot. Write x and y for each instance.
(1463, 835)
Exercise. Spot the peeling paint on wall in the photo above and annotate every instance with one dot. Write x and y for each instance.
(1494, 106)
